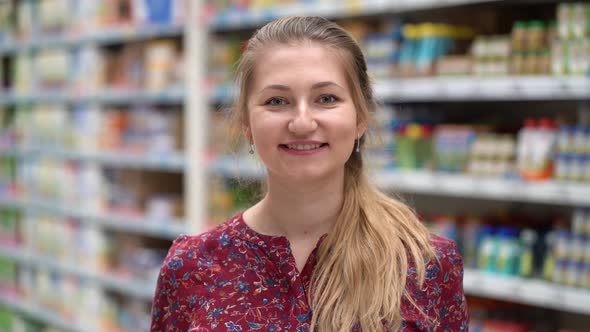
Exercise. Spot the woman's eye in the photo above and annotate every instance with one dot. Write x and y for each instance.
(276, 102)
(328, 99)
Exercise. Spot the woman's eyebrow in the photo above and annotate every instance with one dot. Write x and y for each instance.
(325, 84)
(275, 87)
(281, 87)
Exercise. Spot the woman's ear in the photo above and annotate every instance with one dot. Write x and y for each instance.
(247, 133)
(361, 127)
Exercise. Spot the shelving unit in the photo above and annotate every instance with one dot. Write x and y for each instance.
(196, 168)
(46, 316)
(130, 287)
(166, 229)
(117, 97)
(466, 89)
(532, 88)
(101, 37)
(172, 162)
(440, 184)
(146, 227)
(236, 20)
(533, 292)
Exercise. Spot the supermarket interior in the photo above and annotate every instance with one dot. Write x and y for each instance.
(114, 141)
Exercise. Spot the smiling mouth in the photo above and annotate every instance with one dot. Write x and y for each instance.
(303, 147)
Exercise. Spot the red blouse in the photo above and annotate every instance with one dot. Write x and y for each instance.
(233, 278)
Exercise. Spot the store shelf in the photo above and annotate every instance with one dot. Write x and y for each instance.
(513, 88)
(39, 314)
(458, 185)
(6, 152)
(170, 161)
(14, 99)
(238, 167)
(234, 19)
(432, 89)
(104, 37)
(168, 96)
(528, 291)
(549, 192)
(166, 229)
(137, 288)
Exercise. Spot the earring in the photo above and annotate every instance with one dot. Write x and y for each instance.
(251, 151)
(358, 143)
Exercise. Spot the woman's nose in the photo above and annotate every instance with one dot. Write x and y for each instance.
(303, 121)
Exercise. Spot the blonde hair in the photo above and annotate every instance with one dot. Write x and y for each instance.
(362, 264)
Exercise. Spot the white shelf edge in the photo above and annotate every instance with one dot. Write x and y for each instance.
(137, 288)
(173, 95)
(468, 88)
(238, 167)
(105, 36)
(473, 88)
(165, 229)
(235, 20)
(549, 192)
(168, 161)
(457, 185)
(527, 291)
(39, 314)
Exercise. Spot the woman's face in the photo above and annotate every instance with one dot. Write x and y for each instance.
(302, 118)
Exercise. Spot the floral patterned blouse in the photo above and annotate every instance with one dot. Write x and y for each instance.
(233, 278)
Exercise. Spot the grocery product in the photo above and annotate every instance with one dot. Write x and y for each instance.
(552, 251)
(160, 62)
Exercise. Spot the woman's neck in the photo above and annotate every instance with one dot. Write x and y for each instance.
(299, 211)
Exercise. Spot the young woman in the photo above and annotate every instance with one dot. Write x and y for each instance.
(324, 250)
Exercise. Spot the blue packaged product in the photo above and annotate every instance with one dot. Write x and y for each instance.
(159, 11)
(488, 250)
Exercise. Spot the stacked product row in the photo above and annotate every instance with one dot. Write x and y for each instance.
(80, 196)
(92, 251)
(544, 148)
(397, 49)
(554, 250)
(21, 21)
(152, 66)
(559, 47)
(80, 302)
(89, 189)
(11, 322)
(90, 128)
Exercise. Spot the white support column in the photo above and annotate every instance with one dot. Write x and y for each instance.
(196, 111)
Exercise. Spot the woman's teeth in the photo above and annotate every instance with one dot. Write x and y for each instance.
(304, 147)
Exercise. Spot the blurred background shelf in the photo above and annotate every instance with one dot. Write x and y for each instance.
(167, 161)
(533, 292)
(441, 184)
(237, 19)
(464, 186)
(511, 88)
(169, 96)
(158, 228)
(466, 89)
(40, 314)
(140, 289)
(103, 37)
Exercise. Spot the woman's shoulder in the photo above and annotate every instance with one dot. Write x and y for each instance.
(446, 250)
(441, 295)
(448, 263)
(189, 251)
(227, 229)
(440, 272)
